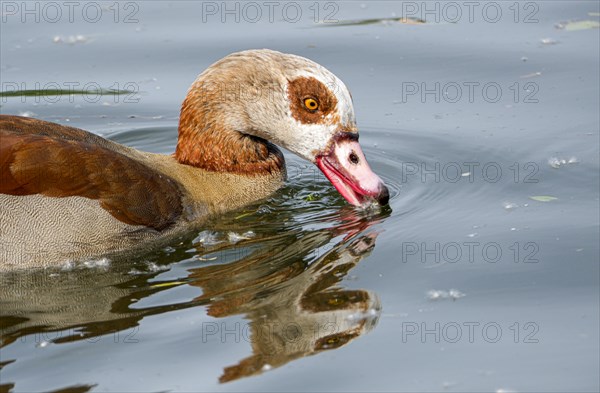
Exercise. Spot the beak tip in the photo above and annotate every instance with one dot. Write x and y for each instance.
(384, 196)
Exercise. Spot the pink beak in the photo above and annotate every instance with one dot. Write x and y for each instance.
(347, 169)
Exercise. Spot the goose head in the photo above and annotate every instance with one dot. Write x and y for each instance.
(264, 95)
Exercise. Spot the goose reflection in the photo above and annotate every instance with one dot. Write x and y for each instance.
(295, 311)
(286, 284)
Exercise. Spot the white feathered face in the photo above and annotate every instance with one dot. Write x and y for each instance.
(309, 111)
(317, 110)
(322, 114)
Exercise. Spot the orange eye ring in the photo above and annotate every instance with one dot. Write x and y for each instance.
(311, 104)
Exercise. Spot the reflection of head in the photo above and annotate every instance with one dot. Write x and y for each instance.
(303, 314)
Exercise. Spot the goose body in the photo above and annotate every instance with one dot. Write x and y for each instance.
(67, 194)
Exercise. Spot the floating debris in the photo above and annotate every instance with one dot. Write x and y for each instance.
(383, 21)
(234, 237)
(153, 267)
(548, 41)
(207, 238)
(313, 196)
(574, 25)
(556, 162)
(150, 267)
(543, 198)
(70, 40)
(510, 206)
(453, 294)
(244, 215)
(532, 75)
(167, 284)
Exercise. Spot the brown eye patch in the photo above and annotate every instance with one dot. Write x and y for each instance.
(303, 89)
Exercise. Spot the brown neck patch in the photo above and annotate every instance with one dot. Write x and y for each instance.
(206, 142)
(302, 88)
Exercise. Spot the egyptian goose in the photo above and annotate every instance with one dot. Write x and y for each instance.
(68, 194)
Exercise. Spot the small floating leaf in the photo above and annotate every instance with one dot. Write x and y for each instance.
(543, 198)
(362, 22)
(578, 25)
(167, 284)
(311, 197)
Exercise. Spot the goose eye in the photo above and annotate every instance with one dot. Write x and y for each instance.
(311, 104)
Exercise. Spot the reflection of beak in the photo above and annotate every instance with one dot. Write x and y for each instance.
(363, 244)
(347, 169)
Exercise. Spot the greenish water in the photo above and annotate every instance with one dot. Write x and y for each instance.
(469, 281)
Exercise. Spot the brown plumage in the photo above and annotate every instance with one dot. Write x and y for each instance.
(68, 194)
(63, 161)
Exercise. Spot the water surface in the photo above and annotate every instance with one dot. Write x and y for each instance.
(465, 283)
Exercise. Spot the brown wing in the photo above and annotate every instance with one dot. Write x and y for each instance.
(39, 157)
